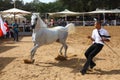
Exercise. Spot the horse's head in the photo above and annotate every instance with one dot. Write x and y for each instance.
(34, 19)
(37, 22)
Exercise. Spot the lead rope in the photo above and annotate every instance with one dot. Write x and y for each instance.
(107, 44)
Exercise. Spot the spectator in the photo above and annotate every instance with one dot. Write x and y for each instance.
(7, 29)
(15, 30)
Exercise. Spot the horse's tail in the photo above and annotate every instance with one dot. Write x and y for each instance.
(70, 28)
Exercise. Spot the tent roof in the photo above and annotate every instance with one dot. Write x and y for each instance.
(115, 11)
(66, 12)
(15, 11)
(104, 11)
(12, 16)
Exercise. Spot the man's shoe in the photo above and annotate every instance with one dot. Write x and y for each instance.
(83, 72)
(92, 66)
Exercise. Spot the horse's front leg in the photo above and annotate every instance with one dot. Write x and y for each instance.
(33, 50)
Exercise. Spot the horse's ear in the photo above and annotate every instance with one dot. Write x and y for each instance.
(32, 14)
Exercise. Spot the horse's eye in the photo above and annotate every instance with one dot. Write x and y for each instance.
(36, 19)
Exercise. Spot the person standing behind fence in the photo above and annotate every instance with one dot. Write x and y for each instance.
(51, 22)
(7, 29)
(15, 30)
(99, 36)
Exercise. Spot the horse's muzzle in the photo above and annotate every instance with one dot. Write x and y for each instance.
(33, 26)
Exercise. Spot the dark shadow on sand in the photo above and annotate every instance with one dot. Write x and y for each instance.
(4, 61)
(75, 64)
(10, 41)
(6, 48)
(103, 72)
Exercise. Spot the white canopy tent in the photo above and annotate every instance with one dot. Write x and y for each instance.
(99, 11)
(64, 13)
(10, 17)
(15, 11)
(103, 11)
(67, 12)
(115, 10)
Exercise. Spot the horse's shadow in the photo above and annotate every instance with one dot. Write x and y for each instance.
(76, 65)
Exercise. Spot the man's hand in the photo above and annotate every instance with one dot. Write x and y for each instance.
(89, 37)
(105, 39)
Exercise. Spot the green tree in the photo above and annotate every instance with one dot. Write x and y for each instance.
(5, 4)
(19, 4)
(60, 5)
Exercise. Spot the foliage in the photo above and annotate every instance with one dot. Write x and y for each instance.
(59, 5)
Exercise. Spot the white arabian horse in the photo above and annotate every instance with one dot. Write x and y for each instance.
(43, 35)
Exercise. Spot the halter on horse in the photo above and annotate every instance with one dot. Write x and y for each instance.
(42, 35)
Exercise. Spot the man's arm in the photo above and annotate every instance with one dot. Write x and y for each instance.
(89, 37)
(105, 39)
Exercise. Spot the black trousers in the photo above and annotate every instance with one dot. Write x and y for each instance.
(15, 35)
(91, 52)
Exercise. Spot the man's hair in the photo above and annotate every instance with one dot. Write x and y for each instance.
(99, 22)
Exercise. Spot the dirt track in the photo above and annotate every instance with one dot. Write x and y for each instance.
(46, 67)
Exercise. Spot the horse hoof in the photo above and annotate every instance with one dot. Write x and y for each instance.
(61, 58)
(29, 61)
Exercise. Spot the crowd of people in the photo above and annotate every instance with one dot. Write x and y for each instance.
(11, 32)
(13, 29)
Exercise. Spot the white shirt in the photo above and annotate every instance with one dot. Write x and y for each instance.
(96, 36)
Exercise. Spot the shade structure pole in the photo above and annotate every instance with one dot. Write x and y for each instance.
(83, 20)
(14, 7)
(65, 17)
(14, 17)
(104, 17)
(14, 3)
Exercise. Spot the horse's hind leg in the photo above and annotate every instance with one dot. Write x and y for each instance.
(33, 50)
(63, 42)
(65, 47)
(61, 50)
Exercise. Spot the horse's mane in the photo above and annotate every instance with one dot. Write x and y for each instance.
(40, 22)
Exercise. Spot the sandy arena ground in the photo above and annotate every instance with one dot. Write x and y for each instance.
(46, 67)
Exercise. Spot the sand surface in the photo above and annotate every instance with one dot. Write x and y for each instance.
(46, 67)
